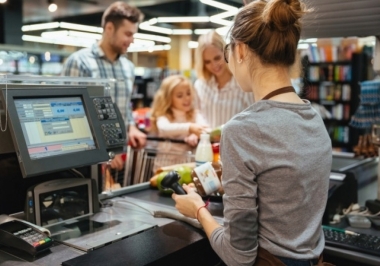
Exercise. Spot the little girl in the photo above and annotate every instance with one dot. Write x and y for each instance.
(173, 116)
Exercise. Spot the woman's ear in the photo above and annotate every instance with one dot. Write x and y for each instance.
(241, 52)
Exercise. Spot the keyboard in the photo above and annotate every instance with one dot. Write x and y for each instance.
(363, 243)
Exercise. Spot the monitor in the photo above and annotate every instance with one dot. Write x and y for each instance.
(54, 129)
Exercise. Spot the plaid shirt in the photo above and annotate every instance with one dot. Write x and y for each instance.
(219, 105)
(91, 62)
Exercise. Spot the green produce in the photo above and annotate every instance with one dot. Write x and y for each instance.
(161, 176)
(216, 134)
(185, 178)
(185, 174)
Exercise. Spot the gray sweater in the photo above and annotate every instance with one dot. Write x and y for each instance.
(276, 163)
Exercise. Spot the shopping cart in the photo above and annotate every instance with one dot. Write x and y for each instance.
(159, 153)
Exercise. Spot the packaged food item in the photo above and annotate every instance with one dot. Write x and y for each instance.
(207, 178)
(203, 152)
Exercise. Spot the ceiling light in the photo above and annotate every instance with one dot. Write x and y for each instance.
(52, 6)
(223, 30)
(41, 26)
(219, 5)
(149, 49)
(72, 26)
(182, 32)
(152, 37)
(3, 1)
(179, 19)
(201, 31)
(226, 14)
(147, 26)
(192, 44)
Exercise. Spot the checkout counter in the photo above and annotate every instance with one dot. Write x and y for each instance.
(134, 225)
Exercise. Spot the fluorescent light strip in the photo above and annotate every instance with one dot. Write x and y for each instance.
(180, 19)
(41, 26)
(153, 37)
(53, 25)
(148, 27)
(72, 26)
(192, 44)
(80, 42)
(65, 41)
(150, 49)
(219, 5)
(182, 32)
(225, 14)
(223, 30)
(201, 31)
(72, 33)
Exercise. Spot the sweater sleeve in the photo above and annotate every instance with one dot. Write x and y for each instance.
(236, 242)
(169, 129)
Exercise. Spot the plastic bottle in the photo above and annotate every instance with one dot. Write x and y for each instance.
(207, 178)
(204, 152)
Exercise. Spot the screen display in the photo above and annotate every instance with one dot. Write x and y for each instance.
(63, 204)
(54, 126)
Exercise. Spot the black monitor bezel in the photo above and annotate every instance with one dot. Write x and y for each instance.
(29, 167)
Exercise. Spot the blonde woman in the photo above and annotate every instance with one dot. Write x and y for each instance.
(220, 96)
(173, 116)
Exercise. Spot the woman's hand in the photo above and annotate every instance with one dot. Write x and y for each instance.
(197, 129)
(188, 204)
(192, 140)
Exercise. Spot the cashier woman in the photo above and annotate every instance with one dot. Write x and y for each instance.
(276, 154)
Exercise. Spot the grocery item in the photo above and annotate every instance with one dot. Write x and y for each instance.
(203, 152)
(216, 134)
(207, 178)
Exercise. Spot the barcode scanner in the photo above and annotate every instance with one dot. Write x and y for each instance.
(171, 181)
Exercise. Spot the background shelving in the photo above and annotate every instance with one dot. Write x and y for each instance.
(333, 88)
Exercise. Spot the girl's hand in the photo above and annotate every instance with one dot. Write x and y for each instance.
(192, 140)
(197, 129)
(188, 204)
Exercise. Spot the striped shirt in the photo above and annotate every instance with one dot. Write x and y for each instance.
(91, 62)
(218, 106)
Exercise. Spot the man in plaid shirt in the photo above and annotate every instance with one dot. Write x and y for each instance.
(106, 59)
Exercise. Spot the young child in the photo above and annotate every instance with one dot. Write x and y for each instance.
(173, 116)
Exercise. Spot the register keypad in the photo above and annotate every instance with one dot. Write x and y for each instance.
(111, 129)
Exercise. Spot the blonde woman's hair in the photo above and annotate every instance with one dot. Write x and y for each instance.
(211, 38)
(162, 102)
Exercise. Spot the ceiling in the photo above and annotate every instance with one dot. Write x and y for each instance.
(331, 18)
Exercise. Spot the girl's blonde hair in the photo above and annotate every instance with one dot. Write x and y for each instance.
(210, 38)
(162, 102)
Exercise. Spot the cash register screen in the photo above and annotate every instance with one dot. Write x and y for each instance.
(54, 126)
(54, 129)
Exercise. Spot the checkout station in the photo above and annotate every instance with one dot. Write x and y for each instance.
(54, 136)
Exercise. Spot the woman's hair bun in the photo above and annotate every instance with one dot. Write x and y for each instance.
(279, 15)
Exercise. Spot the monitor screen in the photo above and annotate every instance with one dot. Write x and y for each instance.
(54, 126)
(54, 129)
